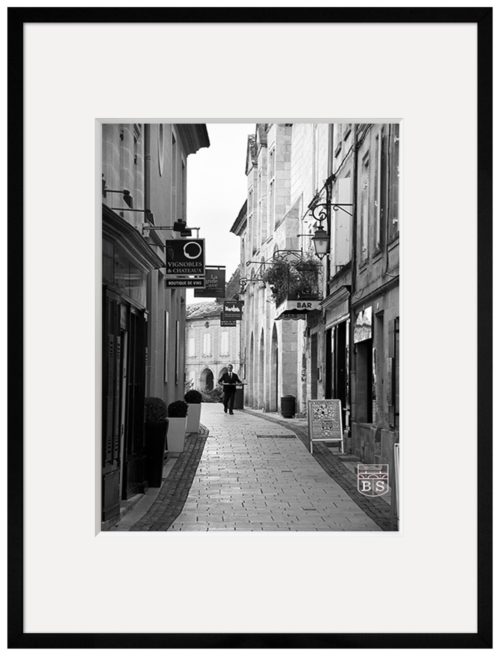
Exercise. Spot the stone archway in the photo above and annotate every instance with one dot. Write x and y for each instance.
(207, 380)
(274, 401)
(251, 387)
(261, 392)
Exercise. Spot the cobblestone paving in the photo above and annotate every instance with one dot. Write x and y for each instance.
(377, 508)
(258, 476)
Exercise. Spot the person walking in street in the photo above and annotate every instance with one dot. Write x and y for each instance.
(229, 380)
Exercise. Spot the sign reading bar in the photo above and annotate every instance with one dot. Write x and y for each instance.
(232, 310)
(227, 323)
(185, 257)
(324, 419)
(215, 283)
(291, 309)
(184, 282)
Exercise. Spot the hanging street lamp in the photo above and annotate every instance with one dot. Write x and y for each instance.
(320, 240)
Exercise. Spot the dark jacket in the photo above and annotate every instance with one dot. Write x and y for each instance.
(225, 378)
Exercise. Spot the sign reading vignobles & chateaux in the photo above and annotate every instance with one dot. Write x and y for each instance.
(185, 257)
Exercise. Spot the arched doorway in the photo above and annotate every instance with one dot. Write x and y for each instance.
(251, 387)
(207, 380)
(262, 391)
(274, 370)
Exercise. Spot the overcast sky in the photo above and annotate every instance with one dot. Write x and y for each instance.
(216, 190)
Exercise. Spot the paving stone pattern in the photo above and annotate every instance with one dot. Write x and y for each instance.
(376, 508)
(249, 483)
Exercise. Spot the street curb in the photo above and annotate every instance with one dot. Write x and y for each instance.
(172, 496)
(377, 509)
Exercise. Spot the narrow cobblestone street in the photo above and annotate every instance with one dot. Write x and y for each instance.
(255, 475)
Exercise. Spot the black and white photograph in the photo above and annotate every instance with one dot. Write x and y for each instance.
(250, 345)
(250, 327)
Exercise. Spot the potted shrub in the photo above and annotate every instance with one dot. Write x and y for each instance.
(155, 430)
(193, 399)
(177, 413)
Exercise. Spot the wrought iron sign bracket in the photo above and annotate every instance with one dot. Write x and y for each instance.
(148, 226)
(319, 210)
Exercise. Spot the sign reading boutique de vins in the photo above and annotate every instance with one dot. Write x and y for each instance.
(232, 310)
(185, 257)
(215, 283)
(324, 418)
(184, 282)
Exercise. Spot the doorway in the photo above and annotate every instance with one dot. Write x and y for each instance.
(207, 380)
(274, 370)
(340, 367)
(314, 366)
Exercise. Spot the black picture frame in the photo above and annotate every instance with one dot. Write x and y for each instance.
(17, 18)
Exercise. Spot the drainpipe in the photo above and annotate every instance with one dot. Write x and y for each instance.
(354, 233)
(151, 278)
(147, 160)
(328, 204)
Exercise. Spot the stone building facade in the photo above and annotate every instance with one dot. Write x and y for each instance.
(143, 184)
(347, 346)
(209, 346)
(268, 225)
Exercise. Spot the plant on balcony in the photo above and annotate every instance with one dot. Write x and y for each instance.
(293, 280)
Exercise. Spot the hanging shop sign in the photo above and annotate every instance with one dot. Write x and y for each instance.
(232, 310)
(227, 323)
(363, 325)
(296, 309)
(324, 420)
(185, 282)
(185, 257)
(215, 283)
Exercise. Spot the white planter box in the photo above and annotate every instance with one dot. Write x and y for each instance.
(176, 434)
(193, 418)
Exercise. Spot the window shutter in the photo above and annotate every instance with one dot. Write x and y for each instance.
(383, 186)
(394, 182)
(342, 225)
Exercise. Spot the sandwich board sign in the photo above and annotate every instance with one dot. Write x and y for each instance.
(324, 420)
